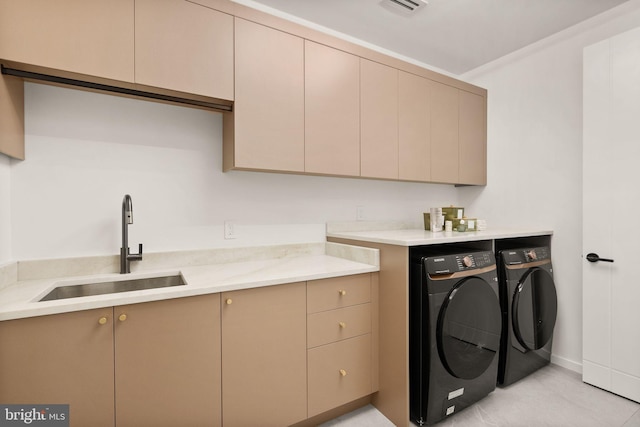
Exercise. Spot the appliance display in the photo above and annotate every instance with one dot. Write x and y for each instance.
(529, 308)
(454, 330)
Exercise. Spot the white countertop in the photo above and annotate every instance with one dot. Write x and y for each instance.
(21, 299)
(418, 237)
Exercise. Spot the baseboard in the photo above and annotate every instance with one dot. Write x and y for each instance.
(567, 363)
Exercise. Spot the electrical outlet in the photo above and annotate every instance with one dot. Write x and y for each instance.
(359, 213)
(229, 230)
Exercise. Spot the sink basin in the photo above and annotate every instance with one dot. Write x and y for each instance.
(100, 288)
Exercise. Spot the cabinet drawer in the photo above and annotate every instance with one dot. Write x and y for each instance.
(335, 325)
(339, 373)
(338, 292)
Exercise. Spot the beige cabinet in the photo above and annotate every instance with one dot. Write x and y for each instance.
(458, 136)
(444, 134)
(264, 379)
(156, 363)
(472, 139)
(168, 363)
(339, 339)
(11, 116)
(266, 129)
(332, 111)
(86, 37)
(63, 358)
(414, 127)
(378, 120)
(185, 47)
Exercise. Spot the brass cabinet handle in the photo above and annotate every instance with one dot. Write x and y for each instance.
(229, 301)
(342, 292)
(102, 320)
(342, 325)
(343, 373)
(122, 317)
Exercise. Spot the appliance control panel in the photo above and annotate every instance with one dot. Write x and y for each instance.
(448, 264)
(526, 255)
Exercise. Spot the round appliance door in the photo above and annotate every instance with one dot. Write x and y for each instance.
(469, 326)
(534, 309)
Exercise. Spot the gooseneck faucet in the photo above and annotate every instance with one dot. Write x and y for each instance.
(125, 256)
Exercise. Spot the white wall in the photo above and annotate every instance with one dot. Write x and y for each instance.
(535, 154)
(86, 150)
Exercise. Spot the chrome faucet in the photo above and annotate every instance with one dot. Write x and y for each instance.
(125, 256)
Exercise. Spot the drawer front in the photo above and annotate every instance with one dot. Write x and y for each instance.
(334, 325)
(338, 292)
(339, 373)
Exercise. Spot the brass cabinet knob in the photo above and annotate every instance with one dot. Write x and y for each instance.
(342, 292)
(343, 373)
(122, 317)
(342, 325)
(229, 301)
(102, 320)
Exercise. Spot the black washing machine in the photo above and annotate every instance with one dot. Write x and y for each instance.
(529, 308)
(454, 331)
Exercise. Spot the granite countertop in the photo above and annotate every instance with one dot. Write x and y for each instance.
(21, 299)
(418, 237)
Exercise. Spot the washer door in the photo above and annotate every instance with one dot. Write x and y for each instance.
(468, 330)
(534, 309)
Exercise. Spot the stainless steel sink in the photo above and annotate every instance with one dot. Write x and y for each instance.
(100, 288)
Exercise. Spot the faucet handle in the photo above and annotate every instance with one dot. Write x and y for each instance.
(135, 257)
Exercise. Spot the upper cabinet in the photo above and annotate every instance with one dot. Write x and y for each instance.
(86, 37)
(458, 136)
(472, 143)
(332, 111)
(378, 120)
(444, 133)
(266, 130)
(185, 47)
(303, 101)
(12, 116)
(414, 127)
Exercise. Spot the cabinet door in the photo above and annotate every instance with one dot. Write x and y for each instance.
(264, 380)
(61, 359)
(339, 373)
(332, 111)
(473, 139)
(414, 128)
(269, 99)
(12, 116)
(168, 362)
(185, 47)
(379, 120)
(88, 37)
(444, 133)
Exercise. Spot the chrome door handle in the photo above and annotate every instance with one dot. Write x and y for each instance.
(595, 258)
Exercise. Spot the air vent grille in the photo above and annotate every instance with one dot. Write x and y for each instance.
(408, 6)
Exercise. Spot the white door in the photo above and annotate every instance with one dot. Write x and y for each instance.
(611, 215)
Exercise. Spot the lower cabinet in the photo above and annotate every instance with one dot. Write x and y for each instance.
(339, 373)
(167, 363)
(264, 376)
(61, 359)
(157, 363)
(268, 356)
(339, 340)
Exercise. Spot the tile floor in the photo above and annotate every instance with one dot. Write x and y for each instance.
(550, 397)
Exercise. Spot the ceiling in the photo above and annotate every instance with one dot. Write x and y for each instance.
(452, 35)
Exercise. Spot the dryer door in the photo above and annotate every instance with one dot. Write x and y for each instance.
(469, 326)
(535, 307)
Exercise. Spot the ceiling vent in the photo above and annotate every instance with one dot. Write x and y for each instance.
(406, 7)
